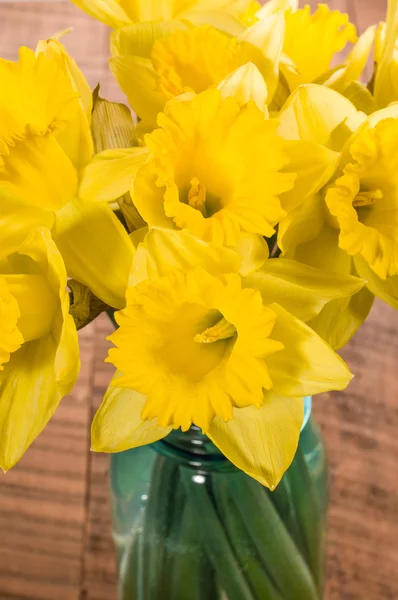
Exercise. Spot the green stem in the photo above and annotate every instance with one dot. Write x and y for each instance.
(214, 540)
(309, 514)
(284, 502)
(284, 562)
(131, 569)
(161, 497)
(242, 545)
(192, 575)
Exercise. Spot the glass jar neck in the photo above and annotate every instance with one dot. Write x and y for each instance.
(193, 448)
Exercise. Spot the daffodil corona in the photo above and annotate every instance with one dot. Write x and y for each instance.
(195, 367)
(215, 169)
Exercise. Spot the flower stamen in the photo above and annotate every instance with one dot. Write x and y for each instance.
(197, 196)
(222, 330)
(367, 198)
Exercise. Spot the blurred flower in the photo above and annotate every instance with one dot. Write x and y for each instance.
(182, 58)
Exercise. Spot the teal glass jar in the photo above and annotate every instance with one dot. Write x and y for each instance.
(189, 526)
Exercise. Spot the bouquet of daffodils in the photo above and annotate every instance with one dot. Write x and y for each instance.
(238, 219)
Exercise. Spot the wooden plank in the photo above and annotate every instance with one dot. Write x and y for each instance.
(360, 427)
(43, 502)
(99, 581)
(55, 535)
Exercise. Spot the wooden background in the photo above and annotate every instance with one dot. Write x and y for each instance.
(55, 541)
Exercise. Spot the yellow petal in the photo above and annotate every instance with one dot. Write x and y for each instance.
(355, 63)
(117, 425)
(164, 251)
(385, 86)
(38, 171)
(187, 7)
(359, 55)
(67, 364)
(137, 79)
(150, 10)
(29, 396)
(301, 225)
(41, 248)
(390, 112)
(96, 248)
(76, 141)
(138, 39)
(262, 44)
(313, 40)
(300, 289)
(273, 6)
(360, 96)
(261, 441)
(219, 20)
(253, 252)
(193, 60)
(108, 175)
(17, 219)
(313, 165)
(246, 84)
(340, 319)
(57, 52)
(76, 138)
(148, 197)
(108, 11)
(385, 289)
(306, 365)
(316, 113)
(39, 95)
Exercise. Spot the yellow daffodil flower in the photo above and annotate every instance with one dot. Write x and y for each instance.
(311, 41)
(39, 352)
(215, 169)
(348, 222)
(201, 343)
(309, 44)
(190, 59)
(118, 14)
(45, 142)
